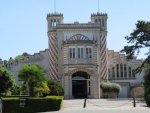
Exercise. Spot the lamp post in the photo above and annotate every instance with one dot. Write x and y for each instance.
(134, 104)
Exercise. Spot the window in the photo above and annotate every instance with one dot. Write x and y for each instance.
(72, 52)
(88, 52)
(113, 71)
(100, 21)
(109, 74)
(125, 71)
(133, 73)
(117, 70)
(129, 71)
(80, 52)
(121, 69)
(103, 22)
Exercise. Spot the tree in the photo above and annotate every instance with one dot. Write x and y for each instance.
(56, 89)
(7, 81)
(32, 75)
(23, 56)
(138, 39)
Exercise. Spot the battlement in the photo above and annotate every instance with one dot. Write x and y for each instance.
(30, 58)
(113, 54)
(54, 15)
(79, 25)
(98, 14)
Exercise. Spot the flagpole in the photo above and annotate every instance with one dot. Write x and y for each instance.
(54, 6)
(98, 6)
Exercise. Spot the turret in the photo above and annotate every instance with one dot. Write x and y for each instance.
(53, 20)
(101, 19)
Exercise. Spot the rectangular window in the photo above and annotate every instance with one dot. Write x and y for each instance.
(117, 70)
(79, 55)
(88, 52)
(133, 73)
(129, 71)
(103, 22)
(80, 52)
(125, 71)
(121, 69)
(113, 72)
(71, 52)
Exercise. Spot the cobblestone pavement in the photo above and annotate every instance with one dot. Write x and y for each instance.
(104, 106)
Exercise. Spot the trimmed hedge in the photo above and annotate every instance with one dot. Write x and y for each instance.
(37, 104)
(110, 90)
(110, 87)
(147, 96)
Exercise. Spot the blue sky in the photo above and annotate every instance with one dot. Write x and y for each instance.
(23, 25)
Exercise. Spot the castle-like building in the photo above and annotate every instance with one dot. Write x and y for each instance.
(78, 58)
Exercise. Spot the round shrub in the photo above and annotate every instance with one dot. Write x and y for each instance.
(110, 87)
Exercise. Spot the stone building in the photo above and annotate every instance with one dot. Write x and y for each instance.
(121, 71)
(77, 57)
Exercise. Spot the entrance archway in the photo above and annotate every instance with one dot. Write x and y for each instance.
(80, 84)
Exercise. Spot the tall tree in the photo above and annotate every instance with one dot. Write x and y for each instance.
(139, 39)
(7, 81)
(31, 75)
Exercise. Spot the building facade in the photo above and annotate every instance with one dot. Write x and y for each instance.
(78, 54)
(77, 57)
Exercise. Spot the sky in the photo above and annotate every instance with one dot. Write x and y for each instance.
(23, 24)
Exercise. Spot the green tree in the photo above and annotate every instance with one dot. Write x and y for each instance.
(139, 39)
(56, 89)
(32, 75)
(23, 56)
(7, 81)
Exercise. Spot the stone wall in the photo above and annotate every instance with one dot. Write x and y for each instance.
(40, 58)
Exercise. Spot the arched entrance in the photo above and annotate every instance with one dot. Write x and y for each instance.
(80, 84)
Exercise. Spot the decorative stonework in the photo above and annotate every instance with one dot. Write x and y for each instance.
(90, 72)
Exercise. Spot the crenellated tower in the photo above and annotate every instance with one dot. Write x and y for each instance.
(101, 20)
(53, 20)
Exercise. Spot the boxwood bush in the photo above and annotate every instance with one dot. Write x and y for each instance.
(110, 89)
(34, 105)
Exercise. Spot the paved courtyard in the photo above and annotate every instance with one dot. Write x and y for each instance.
(104, 106)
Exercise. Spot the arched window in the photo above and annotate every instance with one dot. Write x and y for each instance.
(121, 69)
(129, 71)
(125, 71)
(117, 68)
(133, 73)
(109, 73)
(113, 72)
